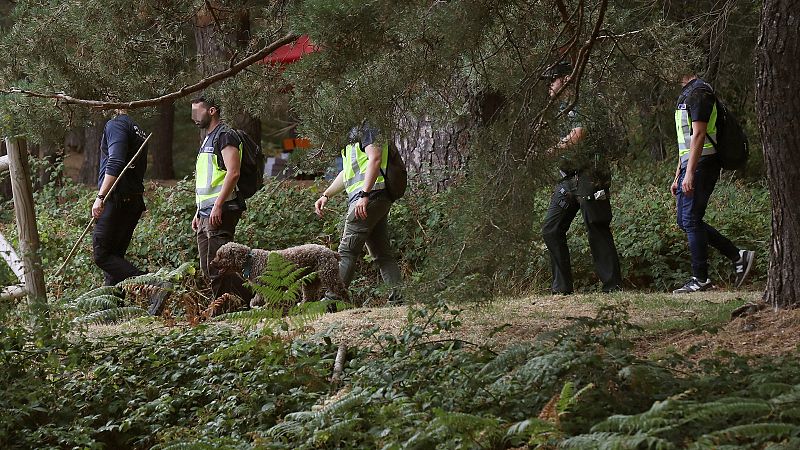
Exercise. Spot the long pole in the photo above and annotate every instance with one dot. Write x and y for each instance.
(91, 222)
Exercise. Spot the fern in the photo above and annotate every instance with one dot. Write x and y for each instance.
(91, 304)
(751, 432)
(104, 290)
(176, 275)
(615, 441)
(523, 431)
(512, 356)
(252, 317)
(342, 430)
(281, 281)
(148, 278)
(111, 316)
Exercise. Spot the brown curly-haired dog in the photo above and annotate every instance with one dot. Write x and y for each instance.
(249, 263)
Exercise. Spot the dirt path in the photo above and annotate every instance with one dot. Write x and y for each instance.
(670, 321)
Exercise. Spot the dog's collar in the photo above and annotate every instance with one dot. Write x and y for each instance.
(248, 265)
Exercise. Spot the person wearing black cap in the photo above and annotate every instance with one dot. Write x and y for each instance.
(583, 185)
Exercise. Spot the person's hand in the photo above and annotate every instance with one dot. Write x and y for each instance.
(97, 208)
(195, 223)
(361, 208)
(319, 205)
(688, 184)
(674, 187)
(215, 219)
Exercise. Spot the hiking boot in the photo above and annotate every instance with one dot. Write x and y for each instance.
(741, 268)
(694, 285)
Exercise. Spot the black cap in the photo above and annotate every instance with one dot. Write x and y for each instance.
(560, 69)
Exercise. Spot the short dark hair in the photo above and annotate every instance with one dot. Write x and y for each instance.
(207, 102)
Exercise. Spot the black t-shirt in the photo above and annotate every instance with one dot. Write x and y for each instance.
(699, 99)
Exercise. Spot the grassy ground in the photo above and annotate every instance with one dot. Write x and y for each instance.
(668, 321)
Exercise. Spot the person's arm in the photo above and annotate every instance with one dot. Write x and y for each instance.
(100, 202)
(117, 140)
(695, 151)
(230, 155)
(335, 187)
(575, 136)
(373, 169)
(674, 187)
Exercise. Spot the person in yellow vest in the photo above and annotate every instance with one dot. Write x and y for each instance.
(218, 206)
(695, 177)
(367, 217)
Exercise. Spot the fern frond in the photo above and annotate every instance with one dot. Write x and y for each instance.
(339, 431)
(603, 441)
(110, 316)
(148, 278)
(251, 317)
(520, 432)
(511, 357)
(104, 290)
(287, 430)
(751, 432)
(789, 444)
(302, 314)
(787, 398)
(187, 268)
(99, 303)
(188, 446)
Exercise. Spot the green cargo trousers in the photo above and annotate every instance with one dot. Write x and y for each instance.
(373, 231)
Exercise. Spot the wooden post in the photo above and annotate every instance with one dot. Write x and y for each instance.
(26, 219)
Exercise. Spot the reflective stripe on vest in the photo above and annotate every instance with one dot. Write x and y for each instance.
(683, 126)
(209, 178)
(354, 163)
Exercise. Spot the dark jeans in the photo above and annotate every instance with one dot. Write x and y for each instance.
(564, 206)
(209, 240)
(112, 234)
(373, 231)
(690, 212)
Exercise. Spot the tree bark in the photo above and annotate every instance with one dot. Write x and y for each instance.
(163, 136)
(778, 75)
(26, 220)
(91, 153)
(49, 157)
(219, 35)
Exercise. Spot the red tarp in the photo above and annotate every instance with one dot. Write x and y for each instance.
(289, 53)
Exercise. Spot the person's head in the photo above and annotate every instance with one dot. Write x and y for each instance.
(557, 75)
(205, 112)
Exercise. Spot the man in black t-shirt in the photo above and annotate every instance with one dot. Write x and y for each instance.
(695, 177)
(219, 208)
(118, 213)
(583, 187)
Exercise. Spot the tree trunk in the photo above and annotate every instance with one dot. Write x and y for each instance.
(435, 156)
(163, 136)
(219, 36)
(91, 153)
(778, 75)
(49, 159)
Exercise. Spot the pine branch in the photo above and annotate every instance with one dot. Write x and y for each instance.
(172, 96)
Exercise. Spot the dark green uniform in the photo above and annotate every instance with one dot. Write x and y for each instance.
(584, 186)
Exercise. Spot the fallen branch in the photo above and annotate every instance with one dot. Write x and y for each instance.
(338, 365)
(182, 92)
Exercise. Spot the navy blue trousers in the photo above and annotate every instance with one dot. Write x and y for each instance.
(690, 212)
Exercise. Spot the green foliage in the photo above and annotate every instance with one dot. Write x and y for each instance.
(218, 386)
(281, 281)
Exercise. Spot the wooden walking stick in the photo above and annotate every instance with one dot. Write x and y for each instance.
(91, 222)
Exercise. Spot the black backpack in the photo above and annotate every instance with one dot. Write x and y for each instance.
(395, 177)
(731, 143)
(251, 172)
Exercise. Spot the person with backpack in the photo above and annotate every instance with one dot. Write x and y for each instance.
(118, 213)
(584, 185)
(364, 178)
(699, 163)
(219, 203)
